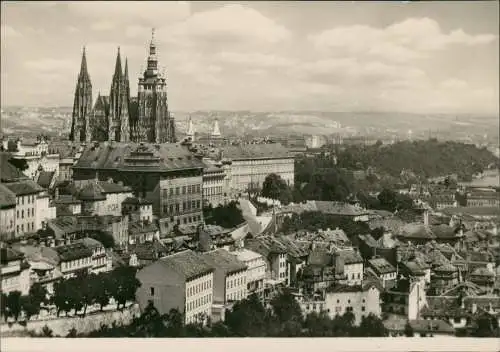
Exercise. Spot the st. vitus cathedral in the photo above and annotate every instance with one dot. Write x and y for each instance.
(119, 117)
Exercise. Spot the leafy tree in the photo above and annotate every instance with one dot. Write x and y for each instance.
(372, 326)
(227, 216)
(13, 303)
(103, 288)
(149, 324)
(3, 306)
(286, 308)
(275, 187)
(318, 325)
(72, 333)
(174, 322)
(124, 284)
(38, 293)
(247, 318)
(486, 326)
(29, 306)
(408, 330)
(47, 332)
(62, 297)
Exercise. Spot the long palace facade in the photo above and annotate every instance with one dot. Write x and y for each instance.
(120, 117)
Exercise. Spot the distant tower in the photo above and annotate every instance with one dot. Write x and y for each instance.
(190, 129)
(82, 105)
(215, 134)
(154, 123)
(119, 130)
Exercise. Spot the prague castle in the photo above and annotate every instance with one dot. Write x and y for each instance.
(119, 117)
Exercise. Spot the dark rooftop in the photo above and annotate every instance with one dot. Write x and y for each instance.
(7, 197)
(223, 260)
(187, 264)
(73, 251)
(25, 187)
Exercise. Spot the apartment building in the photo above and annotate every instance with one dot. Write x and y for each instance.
(230, 276)
(361, 300)
(252, 163)
(14, 271)
(7, 213)
(183, 281)
(74, 258)
(138, 209)
(101, 262)
(214, 190)
(26, 192)
(104, 197)
(256, 270)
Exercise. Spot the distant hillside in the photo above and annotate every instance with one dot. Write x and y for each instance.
(17, 120)
(429, 158)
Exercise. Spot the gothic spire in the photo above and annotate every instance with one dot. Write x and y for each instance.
(118, 66)
(125, 74)
(83, 68)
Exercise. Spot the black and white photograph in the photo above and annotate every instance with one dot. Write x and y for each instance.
(214, 175)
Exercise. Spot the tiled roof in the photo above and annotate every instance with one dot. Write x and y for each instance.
(187, 264)
(40, 254)
(245, 255)
(90, 243)
(137, 228)
(7, 197)
(10, 254)
(447, 267)
(350, 256)
(111, 187)
(431, 326)
(339, 288)
(73, 251)
(45, 178)
(417, 231)
(381, 266)
(8, 172)
(67, 199)
(255, 151)
(225, 261)
(478, 211)
(482, 271)
(149, 250)
(265, 245)
(25, 187)
(443, 231)
(92, 192)
(140, 157)
(137, 201)
(320, 258)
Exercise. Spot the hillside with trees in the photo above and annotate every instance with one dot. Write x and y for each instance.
(425, 158)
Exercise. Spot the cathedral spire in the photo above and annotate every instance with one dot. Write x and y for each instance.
(125, 74)
(83, 68)
(118, 66)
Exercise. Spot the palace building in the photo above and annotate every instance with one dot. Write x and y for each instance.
(119, 117)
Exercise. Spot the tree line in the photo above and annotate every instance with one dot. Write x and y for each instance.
(74, 294)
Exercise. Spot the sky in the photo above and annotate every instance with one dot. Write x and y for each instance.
(424, 57)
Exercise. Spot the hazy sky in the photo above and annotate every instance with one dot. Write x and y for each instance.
(347, 56)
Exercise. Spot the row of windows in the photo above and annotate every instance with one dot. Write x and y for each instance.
(30, 226)
(29, 199)
(189, 189)
(201, 301)
(75, 263)
(186, 206)
(212, 190)
(235, 296)
(202, 286)
(29, 212)
(235, 282)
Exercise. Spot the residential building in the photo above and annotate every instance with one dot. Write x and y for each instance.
(483, 198)
(100, 260)
(230, 276)
(75, 258)
(7, 213)
(138, 209)
(350, 264)
(214, 190)
(383, 270)
(26, 192)
(275, 255)
(256, 270)
(183, 281)
(142, 231)
(67, 205)
(104, 198)
(252, 163)
(14, 271)
(407, 298)
(360, 300)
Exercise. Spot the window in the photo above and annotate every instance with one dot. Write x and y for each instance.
(348, 301)
(183, 189)
(17, 214)
(363, 308)
(22, 214)
(152, 291)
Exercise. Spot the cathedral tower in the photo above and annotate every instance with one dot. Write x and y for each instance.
(82, 105)
(119, 130)
(154, 123)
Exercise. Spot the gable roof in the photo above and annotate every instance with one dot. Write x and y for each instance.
(7, 197)
(25, 187)
(255, 151)
(223, 260)
(187, 264)
(45, 178)
(381, 266)
(9, 172)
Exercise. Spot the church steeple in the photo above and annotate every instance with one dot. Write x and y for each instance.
(82, 104)
(152, 70)
(84, 74)
(118, 66)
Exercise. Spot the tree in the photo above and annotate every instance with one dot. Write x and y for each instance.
(14, 304)
(275, 187)
(61, 298)
(372, 326)
(408, 330)
(124, 284)
(38, 294)
(47, 332)
(286, 308)
(29, 306)
(227, 216)
(247, 318)
(102, 293)
(3, 306)
(318, 325)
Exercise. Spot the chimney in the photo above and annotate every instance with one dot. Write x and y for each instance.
(339, 264)
(426, 218)
(474, 308)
